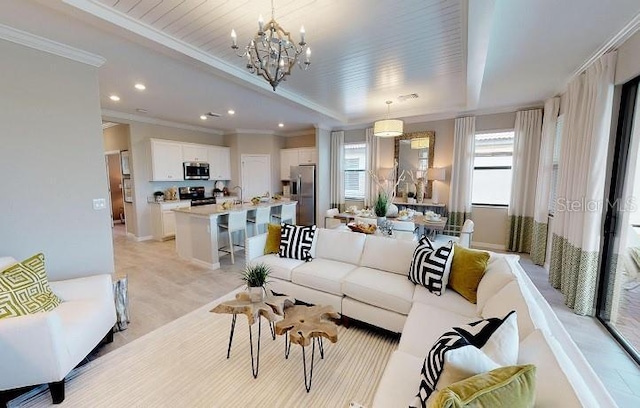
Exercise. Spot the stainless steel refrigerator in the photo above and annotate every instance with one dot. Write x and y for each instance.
(303, 190)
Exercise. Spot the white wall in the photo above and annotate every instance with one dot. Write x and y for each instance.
(628, 64)
(52, 162)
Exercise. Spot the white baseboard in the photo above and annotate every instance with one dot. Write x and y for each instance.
(488, 245)
(205, 264)
(139, 239)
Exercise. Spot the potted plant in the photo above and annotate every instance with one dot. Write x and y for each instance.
(255, 276)
(411, 197)
(380, 208)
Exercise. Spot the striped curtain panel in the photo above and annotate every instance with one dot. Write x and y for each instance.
(575, 247)
(370, 186)
(526, 151)
(337, 170)
(543, 184)
(461, 174)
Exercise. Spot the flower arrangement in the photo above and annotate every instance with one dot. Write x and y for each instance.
(385, 188)
(380, 206)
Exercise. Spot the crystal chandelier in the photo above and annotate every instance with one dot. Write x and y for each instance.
(272, 53)
(388, 127)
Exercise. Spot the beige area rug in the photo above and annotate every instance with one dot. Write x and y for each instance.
(183, 364)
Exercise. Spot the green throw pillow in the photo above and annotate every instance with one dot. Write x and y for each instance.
(512, 387)
(467, 269)
(24, 289)
(274, 231)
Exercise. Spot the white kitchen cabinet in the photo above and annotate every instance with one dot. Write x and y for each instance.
(163, 219)
(195, 153)
(295, 157)
(219, 163)
(166, 160)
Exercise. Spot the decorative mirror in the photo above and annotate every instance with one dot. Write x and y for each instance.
(414, 152)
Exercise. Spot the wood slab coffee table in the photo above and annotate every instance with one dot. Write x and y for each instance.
(308, 325)
(270, 308)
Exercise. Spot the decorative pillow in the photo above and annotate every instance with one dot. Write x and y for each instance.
(430, 267)
(24, 289)
(296, 241)
(467, 269)
(272, 246)
(512, 387)
(468, 350)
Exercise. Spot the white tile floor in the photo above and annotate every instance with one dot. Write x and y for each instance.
(619, 372)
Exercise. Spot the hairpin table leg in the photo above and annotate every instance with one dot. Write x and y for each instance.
(307, 384)
(255, 366)
(233, 326)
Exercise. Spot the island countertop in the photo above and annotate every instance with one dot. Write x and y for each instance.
(215, 209)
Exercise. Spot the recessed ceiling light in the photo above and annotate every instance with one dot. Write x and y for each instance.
(140, 87)
(280, 124)
(203, 117)
(231, 112)
(114, 98)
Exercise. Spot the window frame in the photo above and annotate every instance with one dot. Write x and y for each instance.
(484, 132)
(345, 171)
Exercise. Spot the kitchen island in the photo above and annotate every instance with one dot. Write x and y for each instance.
(197, 230)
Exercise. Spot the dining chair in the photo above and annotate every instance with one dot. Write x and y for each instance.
(464, 240)
(287, 213)
(235, 221)
(259, 217)
(329, 216)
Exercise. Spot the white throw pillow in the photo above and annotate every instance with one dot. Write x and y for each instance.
(468, 350)
(496, 276)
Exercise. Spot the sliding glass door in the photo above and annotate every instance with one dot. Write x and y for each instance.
(619, 290)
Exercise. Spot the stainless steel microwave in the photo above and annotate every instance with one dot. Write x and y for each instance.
(196, 171)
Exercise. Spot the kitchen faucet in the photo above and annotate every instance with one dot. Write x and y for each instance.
(240, 188)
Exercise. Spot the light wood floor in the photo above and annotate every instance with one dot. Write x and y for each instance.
(162, 288)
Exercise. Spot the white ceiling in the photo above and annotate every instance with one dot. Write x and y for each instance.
(459, 56)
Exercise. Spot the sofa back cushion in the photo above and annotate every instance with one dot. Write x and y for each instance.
(7, 261)
(496, 276)
(388, 254)
(341, 246)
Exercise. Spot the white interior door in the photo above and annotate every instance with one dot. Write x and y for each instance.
(256, 175)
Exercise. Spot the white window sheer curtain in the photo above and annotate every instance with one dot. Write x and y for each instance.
(526, 150)
(461, 173)
(337, 170)
(575, 248)
(543, 183)
(370, 187)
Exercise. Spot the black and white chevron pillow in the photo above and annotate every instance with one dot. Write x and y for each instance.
(465, 351)
(296, 241)
(431, 267)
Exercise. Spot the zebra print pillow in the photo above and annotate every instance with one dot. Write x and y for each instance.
(296, 241)
(465, 351)
(431, 267)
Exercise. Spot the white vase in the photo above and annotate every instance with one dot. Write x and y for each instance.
(256, 294)
(381, 220)
(392, 210)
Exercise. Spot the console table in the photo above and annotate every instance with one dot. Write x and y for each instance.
(424, 206)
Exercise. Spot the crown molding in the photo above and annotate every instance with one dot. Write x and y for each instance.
(110, 114)
(251, 132)
(49, 46)
(126, 22)
(613, 43)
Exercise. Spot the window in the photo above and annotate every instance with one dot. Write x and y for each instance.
(492, 168)
(556, 159)
(355, 158)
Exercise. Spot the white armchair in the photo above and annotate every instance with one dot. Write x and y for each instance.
(43, 348)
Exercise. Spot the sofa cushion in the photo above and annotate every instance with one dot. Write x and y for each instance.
(322, 274)
(467, 269)
(378, 288)
(424, 325)
(512, 386)
(280, 267)
(391, 255)
(431, 267)
(516, 297)
(342, 246)
(497, 275)
(449, 300)
(399, 381)
(462, 352)
(24, 289)
(296, 241)
(555, 373)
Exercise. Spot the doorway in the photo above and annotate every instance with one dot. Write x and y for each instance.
(116, 198)
(618, 305)
(255, 175)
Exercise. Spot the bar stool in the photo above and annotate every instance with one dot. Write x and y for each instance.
(236, 221)
(287, 213)
(260, 217)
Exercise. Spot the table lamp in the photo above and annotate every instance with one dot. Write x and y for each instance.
(435, 174)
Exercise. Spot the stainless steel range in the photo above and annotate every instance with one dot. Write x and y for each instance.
(196, 195)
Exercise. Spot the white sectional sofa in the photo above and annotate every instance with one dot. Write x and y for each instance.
(365, 278)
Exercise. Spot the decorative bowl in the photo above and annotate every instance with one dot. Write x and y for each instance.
(363, 228)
